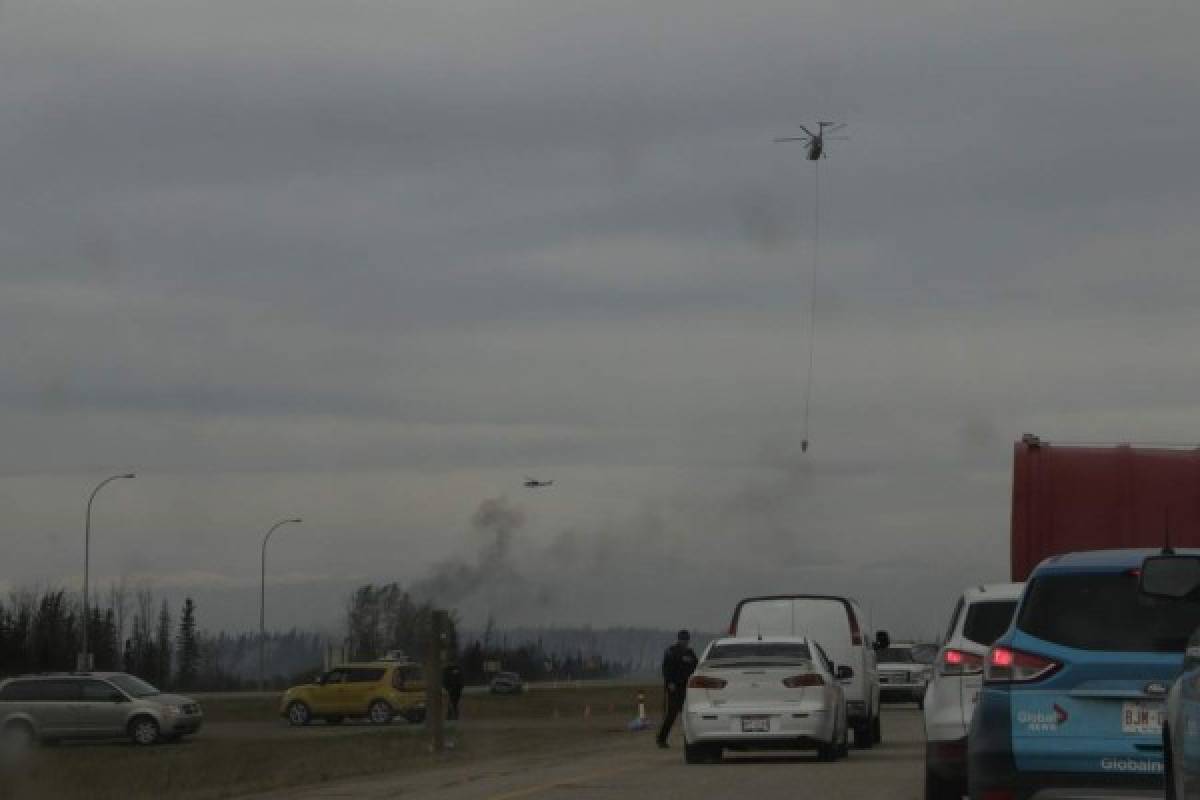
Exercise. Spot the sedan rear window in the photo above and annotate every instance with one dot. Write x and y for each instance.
(1105, 612)
(895, 655)
(756, 651)
(986, 621)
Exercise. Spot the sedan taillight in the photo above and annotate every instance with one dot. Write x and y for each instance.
(1005, 665)
(706, 682)
(960, 662)
(800, 681)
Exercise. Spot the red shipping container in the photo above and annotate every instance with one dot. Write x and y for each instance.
(1071, 498)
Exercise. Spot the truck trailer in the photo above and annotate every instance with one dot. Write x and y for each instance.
(1067, 498)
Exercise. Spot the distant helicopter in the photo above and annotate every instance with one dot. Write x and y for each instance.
(534, 483)
(816, 141)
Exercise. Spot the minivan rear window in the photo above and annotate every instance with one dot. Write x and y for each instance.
(41, 691)
(1105, 612)
(987, 620)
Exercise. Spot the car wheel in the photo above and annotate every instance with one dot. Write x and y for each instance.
(877, 730)
(414, 716)
(380, 713)
(1169, 766)
(334, 719)
(827, 752)
(298, 714)
(863, 736)
(938, 788)
(143, 731)
(844, 746)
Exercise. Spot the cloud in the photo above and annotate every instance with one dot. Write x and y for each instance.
(372, 263)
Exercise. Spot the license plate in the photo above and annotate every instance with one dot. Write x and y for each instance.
(1142, 718)
(756, 724)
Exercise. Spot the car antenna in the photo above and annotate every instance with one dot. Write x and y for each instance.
(1167, 550)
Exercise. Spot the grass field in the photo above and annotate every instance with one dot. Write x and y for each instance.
(204, 768)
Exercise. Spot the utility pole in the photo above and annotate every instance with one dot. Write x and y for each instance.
(435, 712)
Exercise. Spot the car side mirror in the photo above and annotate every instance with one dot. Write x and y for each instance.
(882, 640)
(117, 697)
(1170, 576)
(844, 673)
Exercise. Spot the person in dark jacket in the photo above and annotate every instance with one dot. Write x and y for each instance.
(452, 682)
(679, 662)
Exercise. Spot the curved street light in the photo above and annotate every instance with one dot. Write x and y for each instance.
(262, 604)
(85, 660)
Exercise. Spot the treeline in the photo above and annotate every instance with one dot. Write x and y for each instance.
(135, 632)
(385, 618)
(632, 651)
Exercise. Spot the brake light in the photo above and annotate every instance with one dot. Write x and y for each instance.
(959, 662)
(1005, 665)
(800, 681)
(706, 682)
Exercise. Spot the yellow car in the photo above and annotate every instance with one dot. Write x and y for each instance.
(377, 690)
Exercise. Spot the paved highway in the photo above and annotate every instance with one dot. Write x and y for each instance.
(625, 765)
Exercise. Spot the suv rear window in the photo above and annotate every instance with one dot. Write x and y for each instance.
(1105, 612)
(987, 620)
(895, 655)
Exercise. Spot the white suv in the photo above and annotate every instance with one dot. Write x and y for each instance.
(982, 614)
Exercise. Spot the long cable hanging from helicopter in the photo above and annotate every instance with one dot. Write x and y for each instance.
(816, 151)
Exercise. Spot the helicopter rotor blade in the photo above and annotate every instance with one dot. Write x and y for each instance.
(792, 139)
(806, 130)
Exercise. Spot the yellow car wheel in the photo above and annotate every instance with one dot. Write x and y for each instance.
(380, 712)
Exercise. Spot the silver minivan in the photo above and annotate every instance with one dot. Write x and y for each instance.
(94, 705)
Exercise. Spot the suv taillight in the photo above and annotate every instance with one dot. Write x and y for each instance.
(960, 662)
(705, 682)
(800, 681)
(1005, 665)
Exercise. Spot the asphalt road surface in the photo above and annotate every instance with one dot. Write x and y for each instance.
(629, 766)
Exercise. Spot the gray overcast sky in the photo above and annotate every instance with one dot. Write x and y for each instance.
(372, 262)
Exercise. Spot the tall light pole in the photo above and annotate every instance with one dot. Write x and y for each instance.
(84, 662)
(262, 606)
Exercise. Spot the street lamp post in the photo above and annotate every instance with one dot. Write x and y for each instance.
(262, 606)
(84, 662)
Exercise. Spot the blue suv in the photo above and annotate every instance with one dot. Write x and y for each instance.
(1073, 694)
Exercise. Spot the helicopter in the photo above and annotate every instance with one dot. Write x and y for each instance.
(816, 141)
(534, 483)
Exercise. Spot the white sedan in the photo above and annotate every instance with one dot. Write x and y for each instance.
(778, 692)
